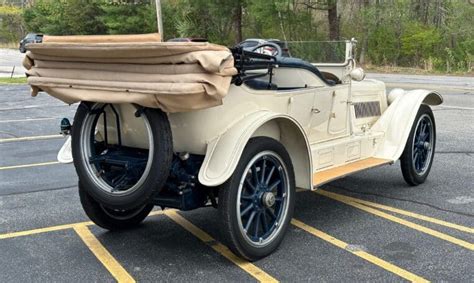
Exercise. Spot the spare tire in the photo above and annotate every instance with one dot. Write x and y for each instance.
(115, 174)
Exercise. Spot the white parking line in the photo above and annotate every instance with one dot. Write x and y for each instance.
(29, 165)
(456, 107)
(27, 120)
(30, 107)
(32, 138)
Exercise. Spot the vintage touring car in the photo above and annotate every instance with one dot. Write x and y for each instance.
(188, 125)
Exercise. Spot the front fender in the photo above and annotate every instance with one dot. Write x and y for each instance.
(224, 151)
(396, 122)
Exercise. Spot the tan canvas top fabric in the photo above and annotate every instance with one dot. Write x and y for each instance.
(150, 37)
(173, 76)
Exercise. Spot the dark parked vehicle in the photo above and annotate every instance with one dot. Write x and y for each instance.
(187, 39)
(30, 38)
(251, 44)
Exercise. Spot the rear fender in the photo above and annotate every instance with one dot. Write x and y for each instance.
(396, 122)
(223, 152)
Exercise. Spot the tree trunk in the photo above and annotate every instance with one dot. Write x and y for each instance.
(365, 39)
(333, 21)
(238, 21)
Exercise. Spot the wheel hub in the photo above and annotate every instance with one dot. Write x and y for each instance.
(268, 199)
(426, 145)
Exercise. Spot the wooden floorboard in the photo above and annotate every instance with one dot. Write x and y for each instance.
(327, 175)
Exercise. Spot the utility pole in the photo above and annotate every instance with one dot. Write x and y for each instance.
(159, 18)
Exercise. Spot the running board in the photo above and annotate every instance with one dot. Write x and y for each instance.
(325, 176)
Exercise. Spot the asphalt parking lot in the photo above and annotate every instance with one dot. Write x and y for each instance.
(367, 227)
(11, 63)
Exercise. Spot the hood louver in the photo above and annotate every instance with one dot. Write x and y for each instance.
(367, 109)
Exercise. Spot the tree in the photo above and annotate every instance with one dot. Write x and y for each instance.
(237, 17)
(11, 24)
(129, 19)
(333, 18)
(65, 17)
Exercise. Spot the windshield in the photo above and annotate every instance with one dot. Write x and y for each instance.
(318, 51)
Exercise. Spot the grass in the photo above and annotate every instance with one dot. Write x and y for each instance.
(15, 80)
(9, 45)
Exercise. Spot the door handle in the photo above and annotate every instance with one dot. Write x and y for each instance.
(315, 110)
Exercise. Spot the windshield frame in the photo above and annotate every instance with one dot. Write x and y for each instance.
(349, 52)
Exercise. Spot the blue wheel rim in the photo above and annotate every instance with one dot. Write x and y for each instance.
(263, 198)
(423, 145)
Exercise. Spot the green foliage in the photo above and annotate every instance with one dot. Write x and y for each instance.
(419, 42)
(61, 17)
(382, 46)
(11, 23)
(129, 19)
(282, 19)
(439, 36)
(211, 19)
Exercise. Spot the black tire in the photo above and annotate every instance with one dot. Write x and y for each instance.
(112, 219)
(22, 50)
(152, 182)
(232, 228)
(413, 173)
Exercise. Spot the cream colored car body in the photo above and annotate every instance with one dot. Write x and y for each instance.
(317, 124)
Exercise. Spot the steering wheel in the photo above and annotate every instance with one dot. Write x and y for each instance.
(277, 47)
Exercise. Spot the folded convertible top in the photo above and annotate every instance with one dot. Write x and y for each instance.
(173, 76)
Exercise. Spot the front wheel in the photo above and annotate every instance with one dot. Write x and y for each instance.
(417, 157)
(256, 203)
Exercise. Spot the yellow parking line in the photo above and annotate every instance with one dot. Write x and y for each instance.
(57, 228)
(103, 255)
(29, 165)
(401, 211)
(42, 230)
(364, 255)
(27, 120)
(401, 221)
(250, 268)
(156, 212)
(31, 138)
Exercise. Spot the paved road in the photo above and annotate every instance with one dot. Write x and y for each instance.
(442, 83)
(11, 62)
(378, 243)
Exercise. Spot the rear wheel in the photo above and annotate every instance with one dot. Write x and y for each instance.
(256, 203)
(417, 157)
(122, 154)
(110, 218)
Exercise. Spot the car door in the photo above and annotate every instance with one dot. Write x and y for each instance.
(330, 113)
